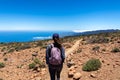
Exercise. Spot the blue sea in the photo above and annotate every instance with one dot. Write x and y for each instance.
(26, 36)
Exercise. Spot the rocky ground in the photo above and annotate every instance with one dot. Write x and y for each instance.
(110, 62)
(77, 54)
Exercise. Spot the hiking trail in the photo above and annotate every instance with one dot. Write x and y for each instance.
(64, 73)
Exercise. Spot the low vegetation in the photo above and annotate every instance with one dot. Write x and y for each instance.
(96, 48)
(2, 65)
(11, 50)
(92, 65)
(22, 47)
(37, 61)
(98, 39)
(3, 49)
(32, 65)
(36, 64)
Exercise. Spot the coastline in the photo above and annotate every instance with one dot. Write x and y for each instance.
(28, 36)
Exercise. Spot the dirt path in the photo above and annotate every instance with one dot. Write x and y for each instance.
(64, 73)
(73, 48)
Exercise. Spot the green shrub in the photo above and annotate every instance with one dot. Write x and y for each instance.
(17, 48)
(98, 40)
(42, 65)
(22, 47)
(36, 64)
(11, 50)
(25, 47)
(2, 65)
(92, 65)
(116, 50)
(37, 61)
(32, 66)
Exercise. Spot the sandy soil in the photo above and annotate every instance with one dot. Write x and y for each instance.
(17, 63)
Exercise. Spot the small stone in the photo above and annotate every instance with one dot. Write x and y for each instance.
(70, 74)
(43, 69)
(77, 76)
(70, 63)
(35, 75)
(71, 68)
(68, 58)
(38, 69)
(92, 75)
(71, 54)
(32, 77)
(38, 78)
(75, 66)
(35, 54)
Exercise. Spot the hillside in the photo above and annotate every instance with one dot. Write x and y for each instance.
(17, 58)
(95, 32)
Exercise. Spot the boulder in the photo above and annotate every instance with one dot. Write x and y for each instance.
(77, 76)
(70, 63)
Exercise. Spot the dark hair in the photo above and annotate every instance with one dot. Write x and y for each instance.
(55, 35)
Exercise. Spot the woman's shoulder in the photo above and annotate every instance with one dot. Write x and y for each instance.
(49, 45)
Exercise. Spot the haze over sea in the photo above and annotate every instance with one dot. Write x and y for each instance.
(26, 36)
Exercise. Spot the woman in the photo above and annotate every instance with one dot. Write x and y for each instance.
(54, 63)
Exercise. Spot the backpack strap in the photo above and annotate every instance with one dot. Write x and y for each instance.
(52, 45)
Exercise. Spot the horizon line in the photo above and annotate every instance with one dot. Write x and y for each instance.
(76, 30)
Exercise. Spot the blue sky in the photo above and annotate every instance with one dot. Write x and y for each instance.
(66, 15)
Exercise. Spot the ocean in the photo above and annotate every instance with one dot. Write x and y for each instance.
(26, 36)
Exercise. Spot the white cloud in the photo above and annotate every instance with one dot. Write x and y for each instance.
(77, 31)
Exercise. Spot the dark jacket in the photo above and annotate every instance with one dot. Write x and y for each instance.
(48, 50)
